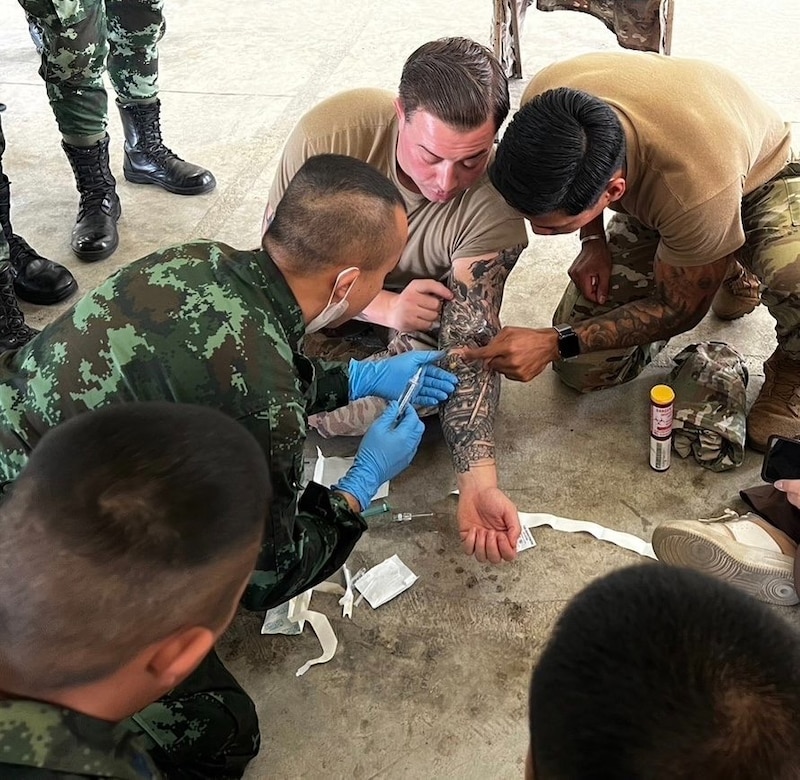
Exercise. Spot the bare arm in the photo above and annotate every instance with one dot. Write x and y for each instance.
(487, 519)
(681, 299)
(472, 319)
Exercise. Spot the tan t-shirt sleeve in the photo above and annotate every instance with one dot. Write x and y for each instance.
(495, 226)
(705, 233)
(296, 151)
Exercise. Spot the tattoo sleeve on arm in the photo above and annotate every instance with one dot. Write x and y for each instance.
(681, 299)
(472, 318)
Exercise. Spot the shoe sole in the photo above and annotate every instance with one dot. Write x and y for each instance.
(769, 580)
(46, 299)
(135, 178)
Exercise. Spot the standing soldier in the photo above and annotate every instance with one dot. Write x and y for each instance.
(83, 38)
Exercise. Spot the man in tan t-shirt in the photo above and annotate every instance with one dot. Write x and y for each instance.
(434, 141)
(697, 168)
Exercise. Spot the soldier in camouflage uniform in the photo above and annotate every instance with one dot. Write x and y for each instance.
(703, 184)
(105, 627)
(205, 324)
(83, 39)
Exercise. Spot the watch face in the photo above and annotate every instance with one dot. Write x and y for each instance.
(568, 344)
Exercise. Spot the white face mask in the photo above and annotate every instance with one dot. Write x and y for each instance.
(332, 311)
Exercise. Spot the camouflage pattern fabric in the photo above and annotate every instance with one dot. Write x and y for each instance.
(198, 323)
(710, 384)
(632, 248)
(83, 39)
(207, 727)
(44, 742)
(771, 219)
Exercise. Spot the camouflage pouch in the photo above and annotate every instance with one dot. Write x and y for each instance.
(710, 382)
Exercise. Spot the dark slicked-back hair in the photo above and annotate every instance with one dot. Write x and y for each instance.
(660, 673)
(127, 524)
(457, 80)
(336, 209)
(558, 153)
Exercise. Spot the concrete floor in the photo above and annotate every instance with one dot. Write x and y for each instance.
(433, 684)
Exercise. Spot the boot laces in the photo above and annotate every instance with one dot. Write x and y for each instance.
(95, 187)
(727, 515)
(785, 382)
(744, 285)
(21, 252)
(149, 128)
(10, 314)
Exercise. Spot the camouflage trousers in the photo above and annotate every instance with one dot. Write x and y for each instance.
(366, 343)
(207, 727)
(771, 218)
(83, 39)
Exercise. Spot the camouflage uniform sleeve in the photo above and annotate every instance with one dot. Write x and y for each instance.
(332, 386)
(41, 740)
(326, 530)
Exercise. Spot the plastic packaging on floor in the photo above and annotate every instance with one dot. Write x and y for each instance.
(385, 581)
(291, 617)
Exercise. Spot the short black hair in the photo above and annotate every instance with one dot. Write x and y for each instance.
(661, 673)
(126, 524)
(335, 209)
(558, 153)
(457, 80)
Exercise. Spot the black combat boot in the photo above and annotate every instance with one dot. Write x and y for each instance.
(94, 236)
(13, 330)
(148, 161)
(36, 279)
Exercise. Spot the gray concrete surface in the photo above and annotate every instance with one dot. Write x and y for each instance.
(434, 683)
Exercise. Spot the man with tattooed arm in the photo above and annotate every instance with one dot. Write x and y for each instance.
(699, 172)
(434, 141)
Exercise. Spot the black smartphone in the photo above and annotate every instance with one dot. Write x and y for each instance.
(782, 460)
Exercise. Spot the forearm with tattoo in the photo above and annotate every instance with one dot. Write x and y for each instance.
(472, 318)
(681, 299)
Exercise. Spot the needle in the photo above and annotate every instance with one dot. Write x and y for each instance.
(405, 399)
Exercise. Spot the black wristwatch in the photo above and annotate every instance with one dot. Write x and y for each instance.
(568, 344)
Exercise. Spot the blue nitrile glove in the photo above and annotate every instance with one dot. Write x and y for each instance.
(385, 451)
(388, 378)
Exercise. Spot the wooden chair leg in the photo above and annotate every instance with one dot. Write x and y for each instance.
(516, 64)
(667, 9)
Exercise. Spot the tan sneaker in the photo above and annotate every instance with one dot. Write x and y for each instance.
(777, 408)
(745, 551)
(738, 295)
